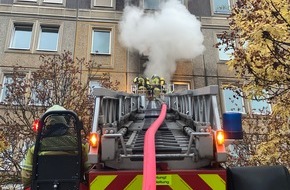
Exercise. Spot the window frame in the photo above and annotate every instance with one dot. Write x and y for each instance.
(33, 95)
(51, 2)
(13, 33)
(222, 13)
(95, 83)
(247, 104)
(35, 36)
(221, 50)
(173, 85)
(257, 112)
(41, 26)
(4, 87)
(159, 2)
(156, 8)
(27, 1)
(242, 109)
(109, 43)
(95, 5)
(42, 2)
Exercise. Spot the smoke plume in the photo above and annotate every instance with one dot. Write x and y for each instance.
(165, 36)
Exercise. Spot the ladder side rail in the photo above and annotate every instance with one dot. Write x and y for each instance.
(189, 105)
(120, 108)
(99, 94)
(128, 103)
(207, 108)
(170, 100)
(134, 103)
(96, 114)
(215, 116)
(183, 107)
(180, 102)
(205, 105)
(109, 111)
(195, 106)
(141, 102)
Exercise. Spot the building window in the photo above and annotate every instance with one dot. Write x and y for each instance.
(7, 88)
(224, 54)
(21, 37)
(48, 38)
(179, 86)
(28, 0)
(94, 84)
(151, 4)
(232, 101)
(101, 42)
(41, 93)
(155, 4)
(260, 107)
(6, 81)
(221, 6)
(103, 3)
(42, 1)
(53, 1)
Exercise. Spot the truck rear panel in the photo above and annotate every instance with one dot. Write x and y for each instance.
(212, 179)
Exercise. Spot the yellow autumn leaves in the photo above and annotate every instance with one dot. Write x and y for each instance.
(264, 63)
(3, 143)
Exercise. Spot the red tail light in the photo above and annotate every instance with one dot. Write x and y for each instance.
(94, 139)
(35, 125)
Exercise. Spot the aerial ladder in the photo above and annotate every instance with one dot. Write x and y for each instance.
(188, 141)
(174, 141)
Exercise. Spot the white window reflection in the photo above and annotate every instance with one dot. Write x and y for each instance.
(101, 42)
(21, 37)
(103, 3)
(224, 55)
(48, 38)
(232, 101)
(221, 6)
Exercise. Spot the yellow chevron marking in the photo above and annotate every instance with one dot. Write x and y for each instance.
(178, 183)
(101, 182)
(136, 183)
(214, 181)
(172, 180)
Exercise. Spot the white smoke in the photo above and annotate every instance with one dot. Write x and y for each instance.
(165, 36)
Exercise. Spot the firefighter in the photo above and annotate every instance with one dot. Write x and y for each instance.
(156, 87)
(54, 135)
(163, 85)
(141, 85)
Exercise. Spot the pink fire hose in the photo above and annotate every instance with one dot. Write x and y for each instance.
(149, 163)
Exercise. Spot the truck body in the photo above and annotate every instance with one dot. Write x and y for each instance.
(173, 141)
(188, 143)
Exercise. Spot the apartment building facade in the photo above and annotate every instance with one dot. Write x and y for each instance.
(90, 29)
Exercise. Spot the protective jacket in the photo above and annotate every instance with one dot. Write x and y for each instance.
(55, 145)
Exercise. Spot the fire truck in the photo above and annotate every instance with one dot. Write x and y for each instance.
(174, 141)
(147, 141)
